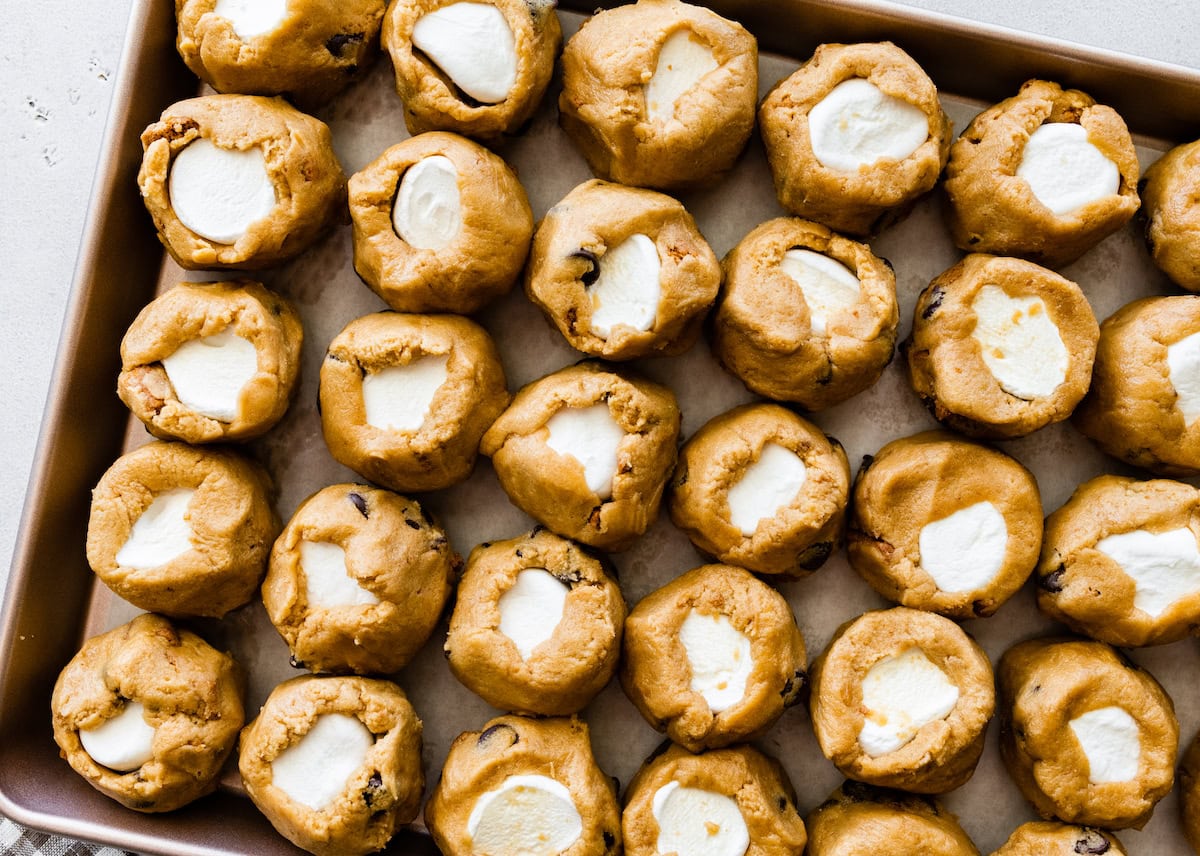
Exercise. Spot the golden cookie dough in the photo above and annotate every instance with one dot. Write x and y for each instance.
(865, 201)
(192, 698)
(754, 782)
(1189, 793)
(316, 50)
(728, 457)
(1133, 410)
(1059, 839)
(568, 271)
(961, 490)
(859, 819)
(479, 262)
(439, 450)
(695, 702)
(1169, 191)
(1083, 582)
(552, 487)
(994, 210)
(780, 345)
(575, 656)
(192, 312)
(381, 794)
(955, 373)
(215, 499)
(1045, 685)
(625, 129)
(885, 649)
(433, 100)
(480, 770)
(310, 189)
(398, 567)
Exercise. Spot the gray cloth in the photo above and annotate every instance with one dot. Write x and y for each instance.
(16, 840)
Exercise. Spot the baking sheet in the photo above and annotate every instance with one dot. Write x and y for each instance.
(328, 294)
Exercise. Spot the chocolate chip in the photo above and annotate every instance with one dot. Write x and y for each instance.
(935, 300)
(499, 732)
(536, 530)
(411, 524)
(296, 664)
(1052, 582)
(609, 840)
(572, 320)
(570, 577)
(1093, 842)
(814, 556)
(374, 786)
(359, 503)
(793, 686)
(592, 274)
(336, 44)
(520, 555)
(867, 460)
(782, 802)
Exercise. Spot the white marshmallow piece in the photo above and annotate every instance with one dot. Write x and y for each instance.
(697, 822)
(719, 658)
(315, 770)
(250, 18)
(427, 213)
(683, 60)
(122, 743)
(531, 610)
(767, 485)
(828, 286)
(1183, 370)
(1064, 170)
(1164, 566)
(473, 44)
(964, 551)
(525, 816)
(399, 398)
(628, 289)
(327, 582)
(856, 125)
(220, 193)
(592, 437)
(161, 533)
(901, 695)
(208, 373)
(1020, 345)
(1112, 743)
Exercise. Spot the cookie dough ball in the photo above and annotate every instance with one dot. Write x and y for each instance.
(659, 93)
(524, 786)
(334, 763)
(147, 714)
(1144, 403)
(239, 181)
(855, 136)
(181, 530)
(308, 50)
(1046, 174)
(586, 451)
(357, 580)
(805, 315)
(211, 361)
(902, 698)
(622, 272)
(1169, 193)
(860, 819)
(713, 657)
(761, 488)
(1189, 794)
(1001, 347)
(440, 225)
(1059, 839)
(536, 626)
(476, 68)
(946, 525)
(405, 398)
(1087, 736)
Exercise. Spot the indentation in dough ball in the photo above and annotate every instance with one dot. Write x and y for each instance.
(857, 125)
(473, 44)
(220, 193)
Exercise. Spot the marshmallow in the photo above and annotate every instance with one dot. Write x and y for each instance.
(208, 373)
(1065, 171)
(427, 213)
(856, 125)
(316, 770)
(122, 743)
(828, 286)
(1109, 738)
(719, 658)
(327, 582)
(399, 398)
(161, 533)
(525, 816)
(531, 610)
(251, 18)
(901, 695)
(683, 60)
(627, 289)
(473, 44)
(1164, 566)
(1183, 370)
(697, 822)
(220, 193)
(591, 436)
(767, 485)
(964, 551)
(1020, 345)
